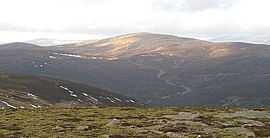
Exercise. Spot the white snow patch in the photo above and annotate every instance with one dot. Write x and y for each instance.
(111, 100)
(41, 65)
(71, 93)
(114, 58)
(68, 55)
(96, 58)
(52, 57)
(85, 94)
(65, 88)
(80, 100)
(117, 99)
(93, 98)
(9, 105)
(32, 95)
(165, 97)
(33, 106)
(74, 95)
(130, 101)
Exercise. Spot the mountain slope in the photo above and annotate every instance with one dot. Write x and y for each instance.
(196, 68)
(23, 91)
(160, 70)
(109, 74)
(225, 74)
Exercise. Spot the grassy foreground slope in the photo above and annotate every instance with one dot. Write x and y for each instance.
(135, 122)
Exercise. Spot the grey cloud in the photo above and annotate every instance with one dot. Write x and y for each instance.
(193, 5)
(86, 28)
(95, 1)
(199, 5)
(169, 5)
(175, 29)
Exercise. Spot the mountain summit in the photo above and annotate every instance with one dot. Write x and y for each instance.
(134, 44)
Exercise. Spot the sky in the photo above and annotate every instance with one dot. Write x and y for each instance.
(22, 20)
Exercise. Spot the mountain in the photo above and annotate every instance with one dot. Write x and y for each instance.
(24, 91)
(51, 42)
(18, 45)
(134, 44)
(157, 69)
(242, 38)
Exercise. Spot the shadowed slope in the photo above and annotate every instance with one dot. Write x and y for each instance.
(23, 91)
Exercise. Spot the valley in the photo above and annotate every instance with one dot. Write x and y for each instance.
(156, 69)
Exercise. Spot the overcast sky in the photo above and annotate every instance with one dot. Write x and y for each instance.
(92, 19)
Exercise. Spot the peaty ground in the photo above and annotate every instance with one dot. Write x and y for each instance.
(135, 122)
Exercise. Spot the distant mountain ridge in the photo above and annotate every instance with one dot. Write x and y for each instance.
(18, 45)
(242, 38)
(51, 42)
